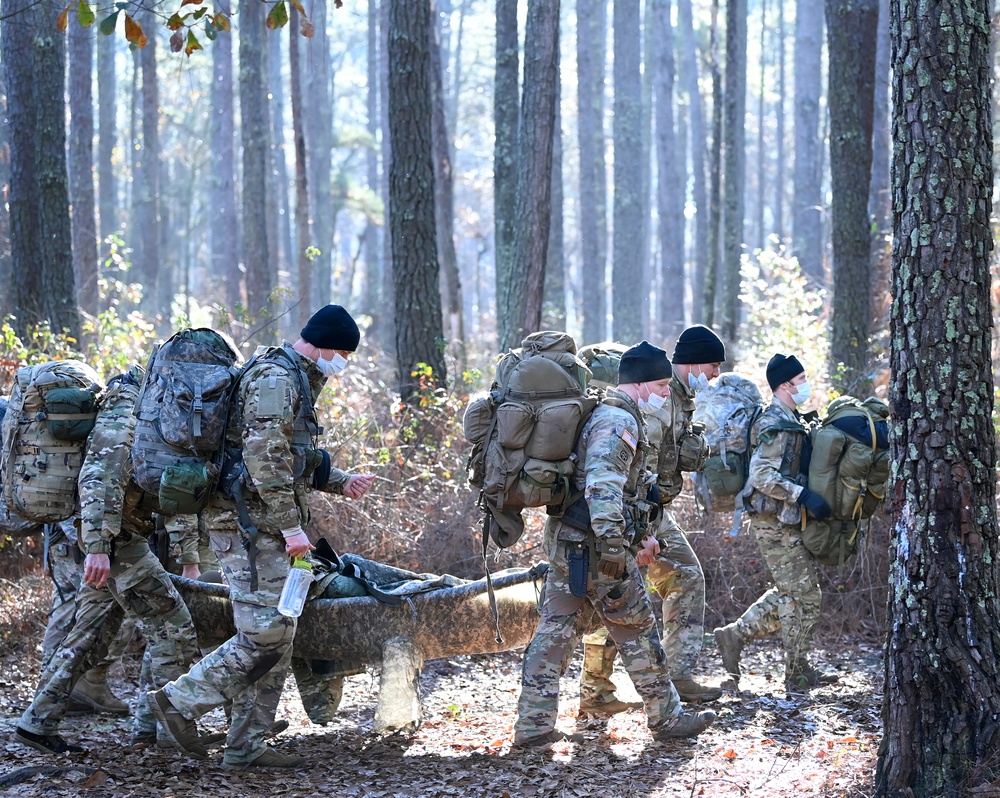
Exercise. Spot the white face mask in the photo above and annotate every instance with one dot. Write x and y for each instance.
(802, 393)
(333, 366)
(697, 382)
(652, 404)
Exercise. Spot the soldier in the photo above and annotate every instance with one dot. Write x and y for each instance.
(116, 518)
(592, 565)
(777, 500)
(674, 573)
(64, 565)
(254, 531)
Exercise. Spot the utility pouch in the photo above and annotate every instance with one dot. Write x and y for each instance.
(577, 515)
(578, 557)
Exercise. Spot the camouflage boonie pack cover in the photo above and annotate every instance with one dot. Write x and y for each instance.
(181, 416)
(50, 413)
(523, 431)
(727, 409)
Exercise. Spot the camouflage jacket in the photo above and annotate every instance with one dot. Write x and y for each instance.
(278, 436)
(774, 482)
(610, 454)
(112, 505)
(666, 426)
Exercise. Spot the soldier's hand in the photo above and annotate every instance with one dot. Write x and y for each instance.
(357, 485)
(96, 570)
(647, 554)
(296, 542)
(612, 561)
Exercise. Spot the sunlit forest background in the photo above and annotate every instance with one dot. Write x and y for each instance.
(617, 170)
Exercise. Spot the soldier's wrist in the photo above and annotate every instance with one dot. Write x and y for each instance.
(291, 533)
(97, 547)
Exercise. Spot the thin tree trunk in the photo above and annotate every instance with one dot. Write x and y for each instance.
(505, 123)
(591, 47)
(760, 232)
(712, 276)
(107, 103)
(807, 232)
(256, 159)
(371, 295)
(699, 141)
(779, 132)
(851, 35)
(302, 264)
(318, 117)
(279, 233)
(735, 167)
(554, 304)
(670, 187)
(411, 181)
(880, 202)
(627, 303)
(81, 174)
(385, 322)
(145, 233)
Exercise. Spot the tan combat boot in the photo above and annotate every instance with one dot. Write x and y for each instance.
(687, 724)
(610, 707)
(692, 692)
(730, 646)
(92, 694)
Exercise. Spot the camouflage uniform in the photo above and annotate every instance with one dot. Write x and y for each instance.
(793, 604)
(64, 564)
(676, 575)
(610, 456)
(116, 518)
(278, 446)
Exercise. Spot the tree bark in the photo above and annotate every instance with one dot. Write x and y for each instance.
(81, 172)
(735, 167)
(699, 141)
(670, 187)
(807, 210)
(145, 236)
(419, 330)
(880, 201)
(851, 37)
(715, 176)
(223, 237)
(319, 147)
(279, 232)
(554, 291)
(942, 684)
(506, 113)
(256, 161)
(591, 48)
(301, 263)
(371, 293)
(626, 259)
(521, 303)
(107, 106)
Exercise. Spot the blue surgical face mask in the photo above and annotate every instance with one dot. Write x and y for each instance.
(697, 382)
(333, 366)
(802, 393)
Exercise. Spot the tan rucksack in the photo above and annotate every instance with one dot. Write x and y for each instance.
(524, 430)
(51, 411)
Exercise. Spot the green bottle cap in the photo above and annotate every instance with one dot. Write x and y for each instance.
(299, 562)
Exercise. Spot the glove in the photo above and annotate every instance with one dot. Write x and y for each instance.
(612, 561)
(815, 504)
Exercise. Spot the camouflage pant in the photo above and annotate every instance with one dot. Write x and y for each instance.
(320, 693)
(793, 604)
(140, 586)
(624, 607)
(66, 573)
(249, 668)
(677, 578)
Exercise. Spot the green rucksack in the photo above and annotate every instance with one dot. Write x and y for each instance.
(849, 468)
(51, 411)
(602, 359)
(524, 430)
(181, 415)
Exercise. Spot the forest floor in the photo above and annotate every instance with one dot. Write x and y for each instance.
(765, 743)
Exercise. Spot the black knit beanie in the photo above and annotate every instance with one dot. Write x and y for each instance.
(698, 344)
(643, 363)
(782, 368)
(332, 327)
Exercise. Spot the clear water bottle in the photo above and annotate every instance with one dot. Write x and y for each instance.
(293, 594)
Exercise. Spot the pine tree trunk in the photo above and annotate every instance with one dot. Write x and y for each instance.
(371, 293)
(554, 304)
(256, 161)
(851, 36)
(81, 173)
(627, 302)
(942, 682)
(807, 210)
(301, 263)
(419, 330)
(279, 232)
(506, 116)
(318, 117)
(591, 49)
(107, 99)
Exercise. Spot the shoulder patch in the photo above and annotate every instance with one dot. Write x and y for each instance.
(271, 397)
(629, 438)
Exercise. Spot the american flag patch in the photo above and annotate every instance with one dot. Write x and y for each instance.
(629, 438)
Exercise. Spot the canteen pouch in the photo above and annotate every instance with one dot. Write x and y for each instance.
(184, 488)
